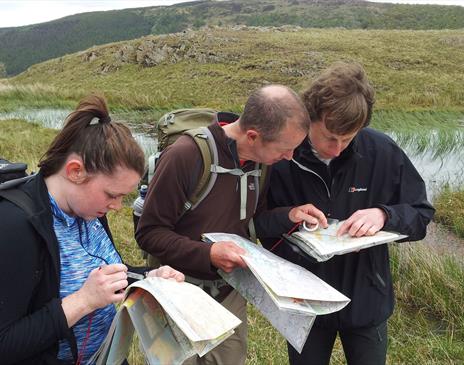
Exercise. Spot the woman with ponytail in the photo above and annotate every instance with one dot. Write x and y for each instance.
(60, 272)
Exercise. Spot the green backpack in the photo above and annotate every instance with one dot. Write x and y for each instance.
(194, 122)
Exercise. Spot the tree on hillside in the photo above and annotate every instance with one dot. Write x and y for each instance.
(169, 22)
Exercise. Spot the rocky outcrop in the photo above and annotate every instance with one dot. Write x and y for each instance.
(208, 45)
(152, 51)
(90, 56)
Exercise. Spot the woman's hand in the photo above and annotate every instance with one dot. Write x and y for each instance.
(104, 285)
(167, 272)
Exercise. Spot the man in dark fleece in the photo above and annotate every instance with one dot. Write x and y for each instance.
(353, 173)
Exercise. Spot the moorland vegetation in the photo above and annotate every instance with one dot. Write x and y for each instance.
(39, 42)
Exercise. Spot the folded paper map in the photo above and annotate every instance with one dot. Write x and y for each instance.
(323, 243)
(288, 295)
(173, 321)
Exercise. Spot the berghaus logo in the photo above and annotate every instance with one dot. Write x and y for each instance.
(353, 189)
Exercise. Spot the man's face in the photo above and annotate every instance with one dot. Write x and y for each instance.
(328, 145)
(282, 148)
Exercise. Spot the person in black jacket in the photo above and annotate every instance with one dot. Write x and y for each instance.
(60, 272)
(353, 173)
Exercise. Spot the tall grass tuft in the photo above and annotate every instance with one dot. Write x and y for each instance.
(450, 209)
(24, 142)
(436, 132)
(428, 326)
(431, 283)
(36, 95)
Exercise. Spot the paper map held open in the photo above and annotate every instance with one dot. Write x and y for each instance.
(322, 244)
(288, 295)
(173, 321)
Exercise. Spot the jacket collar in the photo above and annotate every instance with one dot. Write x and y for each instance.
(305, 155)
(42, 219)
(224, 143)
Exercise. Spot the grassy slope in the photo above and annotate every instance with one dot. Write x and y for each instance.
(426, 328)
(411, 70)
(39, 42)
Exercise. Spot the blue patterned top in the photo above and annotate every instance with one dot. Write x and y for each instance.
(84, 246)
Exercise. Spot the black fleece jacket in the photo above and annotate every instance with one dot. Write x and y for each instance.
(371, 172)
(32, 320)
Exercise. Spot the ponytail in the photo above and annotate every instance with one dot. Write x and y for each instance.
(102, 144)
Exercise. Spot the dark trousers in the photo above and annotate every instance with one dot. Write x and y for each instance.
(362, 346)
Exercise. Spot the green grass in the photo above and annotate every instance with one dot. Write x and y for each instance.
(412, 71)
(427, 326)
(450, 209)
(414, 129)
(24, 142)
(414, 121)
(33, 96)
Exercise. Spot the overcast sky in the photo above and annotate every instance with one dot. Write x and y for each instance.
(23, 12)
(14, 13)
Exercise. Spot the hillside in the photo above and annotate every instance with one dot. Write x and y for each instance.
(22, 47)
(218, 67)
(25, 46)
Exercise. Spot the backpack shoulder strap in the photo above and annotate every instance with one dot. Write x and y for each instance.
(262, 177)
(207, 146)
(208, 149)
(9, 191)
(259, 182)
(19, 198)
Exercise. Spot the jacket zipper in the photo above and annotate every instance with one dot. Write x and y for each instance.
(315, 173)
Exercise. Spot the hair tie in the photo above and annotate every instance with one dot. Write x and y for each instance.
(105, 119)
(102, 120)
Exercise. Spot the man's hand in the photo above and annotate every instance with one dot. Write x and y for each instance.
(309, 214)
(225, 255)
(167, 272)
(364, 222)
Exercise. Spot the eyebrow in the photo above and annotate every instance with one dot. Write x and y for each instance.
(336, 137)
(112, 193)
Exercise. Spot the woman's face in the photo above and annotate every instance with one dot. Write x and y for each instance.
(100, 193)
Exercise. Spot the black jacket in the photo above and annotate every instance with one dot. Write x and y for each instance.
(32, 320)
(371, 172)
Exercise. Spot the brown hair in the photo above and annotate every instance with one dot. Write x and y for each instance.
(342, 97)
(268, 110)
(102, 144)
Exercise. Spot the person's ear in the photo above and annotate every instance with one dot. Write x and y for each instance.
(75, 171)
(252, 136)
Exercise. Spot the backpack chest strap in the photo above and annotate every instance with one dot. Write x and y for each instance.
(243, 183)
